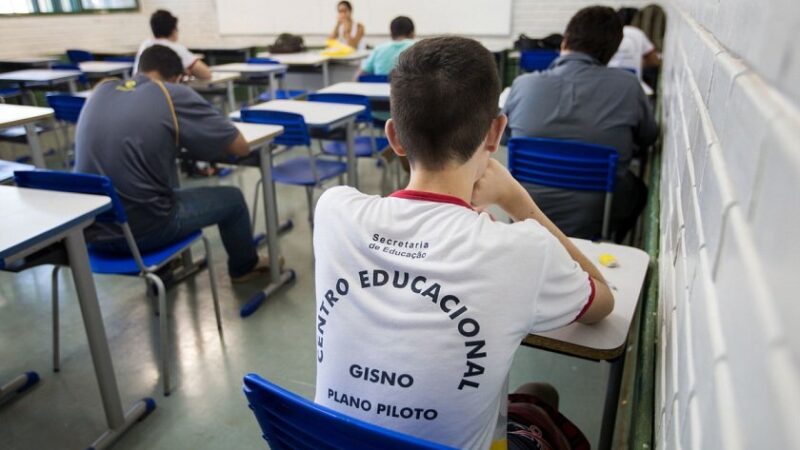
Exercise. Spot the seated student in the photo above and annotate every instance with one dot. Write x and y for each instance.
(384, 57)
(635, 51)
(165, 32)
(131, 131)
(422, 301)
(346, 30)
(580, 99)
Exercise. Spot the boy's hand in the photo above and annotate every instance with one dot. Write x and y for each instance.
(498, 187)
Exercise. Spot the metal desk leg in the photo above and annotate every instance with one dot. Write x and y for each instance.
(611, 402)
(118, 422)
(36, 146)
(278, 278)
(19, 384)
(231, 97)
(273, 86)
(352, 162)
(326, 77)
(73, 87)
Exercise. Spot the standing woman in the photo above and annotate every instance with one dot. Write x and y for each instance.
(347, 31)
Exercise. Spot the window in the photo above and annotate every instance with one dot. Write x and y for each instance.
(8, 7)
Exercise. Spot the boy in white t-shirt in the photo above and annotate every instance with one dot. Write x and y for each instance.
(422, 300)
(165, 32)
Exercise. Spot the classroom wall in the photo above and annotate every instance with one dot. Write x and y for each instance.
(22, 36)
(728, 374)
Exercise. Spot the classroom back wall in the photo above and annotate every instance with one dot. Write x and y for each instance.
(24, 36)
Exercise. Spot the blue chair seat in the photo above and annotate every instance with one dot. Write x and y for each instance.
(10, 92)
(298, 171)
(119, 264)
(363, 146)
(282, 94)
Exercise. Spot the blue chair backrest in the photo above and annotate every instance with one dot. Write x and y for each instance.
(295, 131)
(348, 99)
(78, 56)
(261, 61)
(81, 183)
(291, 422)
(563, 164)
(536, 60)
(367, 78)
(67, 107)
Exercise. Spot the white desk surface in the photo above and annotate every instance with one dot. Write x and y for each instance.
(316, 114)
(101, 67)
(31, 216)
(258, 133)
(355, 56)
(7, 169)
(31, 75)
(296, 59)
(249, 68)
(30, 60)
(605, 339)
(216, 78)
(379, 91)
(13, 115)
(503, 97)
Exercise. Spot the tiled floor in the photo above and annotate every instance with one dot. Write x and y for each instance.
(207, 409)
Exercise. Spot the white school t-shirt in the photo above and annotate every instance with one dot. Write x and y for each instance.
(421, 305)
(634, 46)
(187, 57)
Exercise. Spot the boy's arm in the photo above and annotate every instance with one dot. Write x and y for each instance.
(497, 186)
(200, 70)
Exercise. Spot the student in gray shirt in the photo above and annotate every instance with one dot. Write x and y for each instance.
(580, 99)
(131, 131)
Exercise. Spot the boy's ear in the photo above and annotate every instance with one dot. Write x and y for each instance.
(391, 135)
(495, 133)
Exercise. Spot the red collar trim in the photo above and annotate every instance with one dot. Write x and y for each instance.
(410, 194)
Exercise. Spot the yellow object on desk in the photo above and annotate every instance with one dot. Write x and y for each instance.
(335, 48)
(608, 260)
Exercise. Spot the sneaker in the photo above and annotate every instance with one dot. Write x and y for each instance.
(261, 268)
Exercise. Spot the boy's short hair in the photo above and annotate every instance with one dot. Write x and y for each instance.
(401, 26)
(163, 23)
(444, 96)
(596, 31)
(161, 59)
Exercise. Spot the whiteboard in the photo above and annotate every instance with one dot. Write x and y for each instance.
(318, 17)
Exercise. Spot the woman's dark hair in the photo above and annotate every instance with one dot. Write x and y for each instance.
(444, 98)
(163, 23)
(596, 31)
(161, 59)
(345, 3)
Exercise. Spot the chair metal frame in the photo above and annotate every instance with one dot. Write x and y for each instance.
(101, 185)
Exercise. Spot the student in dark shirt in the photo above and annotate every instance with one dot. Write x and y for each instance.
(131, 131)
(580, 99)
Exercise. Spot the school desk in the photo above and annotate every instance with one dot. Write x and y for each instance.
(27, 116)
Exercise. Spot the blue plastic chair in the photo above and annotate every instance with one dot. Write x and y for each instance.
(565, 165)
(537, 60)
(76, 56)
(145, 265)
(291, 422)
(307, 171)
(280, 94)
(67, 109)
(6, 93)
(368, 78)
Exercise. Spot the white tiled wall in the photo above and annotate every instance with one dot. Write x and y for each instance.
(729, 374)
(22, 36)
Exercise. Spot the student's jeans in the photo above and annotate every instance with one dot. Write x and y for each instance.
(198, 208)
